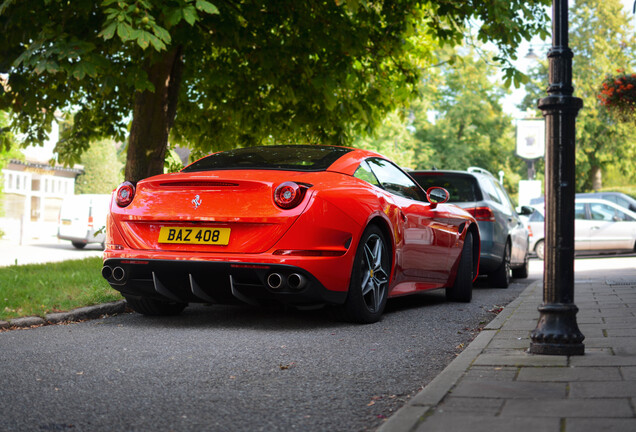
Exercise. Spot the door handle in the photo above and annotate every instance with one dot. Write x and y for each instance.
(595, 228)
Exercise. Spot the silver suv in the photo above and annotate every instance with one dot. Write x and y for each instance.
(504, 237)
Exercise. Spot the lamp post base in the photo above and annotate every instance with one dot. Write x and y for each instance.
(557, 332)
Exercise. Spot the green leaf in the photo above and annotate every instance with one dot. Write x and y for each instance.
(109, 31)
(156, 43)
(162, 33)
(207, 7)
(173, 17)
(79, 71)
(124, 31)
(190, 14)
(144, 39)
(52, 66)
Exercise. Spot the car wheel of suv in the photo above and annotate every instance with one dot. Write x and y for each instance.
(462, 289)
(522, 272)
(500, 278)
(148, 306)
(540, 249)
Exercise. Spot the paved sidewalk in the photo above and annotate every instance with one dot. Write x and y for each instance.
(495, 385)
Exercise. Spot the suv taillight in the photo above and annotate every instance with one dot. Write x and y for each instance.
(482, 214)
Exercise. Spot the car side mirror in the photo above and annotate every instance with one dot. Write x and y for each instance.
(437, 195)
(526, 211)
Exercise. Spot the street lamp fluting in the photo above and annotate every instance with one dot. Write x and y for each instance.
(557, 332)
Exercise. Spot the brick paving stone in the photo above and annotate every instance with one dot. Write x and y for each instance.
(599, 425)
(629, 372)
(568, 408)
(569, 374)
(623, 332)
(518, 359)
(582, 390)
(492, 373)
(510, 390)
(451, 422)
(610, 342)
(510, 343)
(604, 359)
(477, 405)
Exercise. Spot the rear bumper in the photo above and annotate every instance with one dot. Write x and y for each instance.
(217, 281)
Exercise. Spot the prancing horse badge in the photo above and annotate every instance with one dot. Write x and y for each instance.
(196, 201)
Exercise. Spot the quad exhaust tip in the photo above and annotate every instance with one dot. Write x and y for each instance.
(296, 281)
(275, 281)
(107, 272)
(119, 274)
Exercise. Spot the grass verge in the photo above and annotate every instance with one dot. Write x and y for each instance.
(38, 289)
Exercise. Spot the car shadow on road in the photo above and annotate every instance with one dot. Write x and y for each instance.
(272, 318)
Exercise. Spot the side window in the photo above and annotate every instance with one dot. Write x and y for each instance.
(622, 202)
(489, 190)
(620, 216)
(536, 217)
(602, 212)
(394, 180)
(505, 199)
(364, 173)
(579, 211)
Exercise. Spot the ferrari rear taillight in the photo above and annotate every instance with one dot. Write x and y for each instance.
(125, 194)
(288, 195)
(482, 214)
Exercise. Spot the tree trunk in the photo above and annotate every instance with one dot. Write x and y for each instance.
(153, 116)
(597, 178)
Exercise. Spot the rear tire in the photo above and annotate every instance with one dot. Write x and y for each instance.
(78, 245)
(149, 306)
(500, 278)
(522, 272)
(369, 286)
(462, 289)
(540, 249)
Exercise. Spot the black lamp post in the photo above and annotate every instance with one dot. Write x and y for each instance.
(557, 332)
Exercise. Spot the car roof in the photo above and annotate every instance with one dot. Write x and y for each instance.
(471, 171)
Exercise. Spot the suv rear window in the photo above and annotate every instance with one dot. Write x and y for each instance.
(461, 187)
(288, 157)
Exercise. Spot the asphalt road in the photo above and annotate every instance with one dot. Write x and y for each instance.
(234, 368)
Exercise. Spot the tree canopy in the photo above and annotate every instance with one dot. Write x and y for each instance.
(603, 42)
(219, 74)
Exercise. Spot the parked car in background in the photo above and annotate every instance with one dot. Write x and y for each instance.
(619, 198)
(599, 227)
(504, 237)
(82, 219)
(301, 225)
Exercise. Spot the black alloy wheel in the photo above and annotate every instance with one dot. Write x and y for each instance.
(500, 278)
(368, 289)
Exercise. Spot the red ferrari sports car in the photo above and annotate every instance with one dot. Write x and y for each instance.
(303, 225)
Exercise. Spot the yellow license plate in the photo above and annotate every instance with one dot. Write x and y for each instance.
(214, 236)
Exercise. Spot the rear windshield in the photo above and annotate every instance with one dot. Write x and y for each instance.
(461, 187)
(292, 157)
